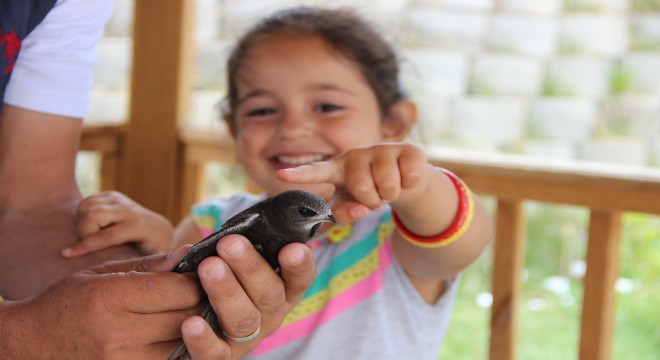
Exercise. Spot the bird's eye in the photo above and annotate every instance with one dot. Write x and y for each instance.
(306, 212)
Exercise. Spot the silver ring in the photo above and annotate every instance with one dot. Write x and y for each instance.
(243, 339)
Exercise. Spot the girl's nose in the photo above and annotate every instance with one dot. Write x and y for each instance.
(295, 124)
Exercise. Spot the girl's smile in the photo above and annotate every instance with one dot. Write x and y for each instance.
(288, 161)
(300, 101)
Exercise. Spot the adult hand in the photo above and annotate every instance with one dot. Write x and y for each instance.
(119, 310)
(137, 308)
(247, 295)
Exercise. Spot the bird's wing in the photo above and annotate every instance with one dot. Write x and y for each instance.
(206, 247)
(239, 222)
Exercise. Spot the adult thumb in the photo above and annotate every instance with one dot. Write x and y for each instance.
(152, 263)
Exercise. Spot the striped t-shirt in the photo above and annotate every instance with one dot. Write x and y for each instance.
(361, 305)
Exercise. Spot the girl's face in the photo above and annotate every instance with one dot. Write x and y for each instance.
(300, 101)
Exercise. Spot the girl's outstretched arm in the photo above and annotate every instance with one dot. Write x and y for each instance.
(424, 198)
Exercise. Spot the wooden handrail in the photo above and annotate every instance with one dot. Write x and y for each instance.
(606, 190)
(107, 139)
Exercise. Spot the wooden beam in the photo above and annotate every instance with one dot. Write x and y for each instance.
(160, 87)
(595, 185)
(600, 186)
(598, 306)
(509, 254)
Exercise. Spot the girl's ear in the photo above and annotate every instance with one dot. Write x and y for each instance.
(402, 117)
(230, 126)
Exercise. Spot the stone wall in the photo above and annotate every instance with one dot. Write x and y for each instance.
(572, 79)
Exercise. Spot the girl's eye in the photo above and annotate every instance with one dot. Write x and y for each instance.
(327, 107)
(261, 112)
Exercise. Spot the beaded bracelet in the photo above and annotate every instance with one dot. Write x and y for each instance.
(460, 224)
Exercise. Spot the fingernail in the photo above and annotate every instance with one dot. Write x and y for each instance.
(217, 271)
(297, 257)
(195, 328)
(236, 249)
(67, 252)
(358, 212)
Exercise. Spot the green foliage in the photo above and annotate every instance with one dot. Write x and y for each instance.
(567, 47)
(581, 6)
(617, 126)
(554, 87)
(620, 80)
(482, 87)
(87, 172)
(644, 44)
(645, 5)
(549, 321)
(640, 246)
(225, 179)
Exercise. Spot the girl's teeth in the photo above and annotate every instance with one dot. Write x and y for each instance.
(299, 160)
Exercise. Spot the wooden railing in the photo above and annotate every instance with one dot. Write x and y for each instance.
(607, 191)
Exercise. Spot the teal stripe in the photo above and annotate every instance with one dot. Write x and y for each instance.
(347, 259)
(211, 210)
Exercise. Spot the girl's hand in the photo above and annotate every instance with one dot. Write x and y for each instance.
(368, 177)
(111, 218)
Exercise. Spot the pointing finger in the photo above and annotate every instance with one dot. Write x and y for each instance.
(314, 173)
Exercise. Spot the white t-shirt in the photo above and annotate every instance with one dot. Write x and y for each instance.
(55, 67)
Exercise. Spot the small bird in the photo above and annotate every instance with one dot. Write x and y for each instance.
(291, 216)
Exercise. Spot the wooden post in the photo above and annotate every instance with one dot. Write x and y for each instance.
(597, 324)
(160, 88)
(509, 253)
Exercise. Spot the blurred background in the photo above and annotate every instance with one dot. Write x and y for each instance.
(550, 80)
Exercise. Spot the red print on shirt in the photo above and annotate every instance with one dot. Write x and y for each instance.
(12, 44)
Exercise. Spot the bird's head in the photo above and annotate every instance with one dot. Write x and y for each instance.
(302, 212)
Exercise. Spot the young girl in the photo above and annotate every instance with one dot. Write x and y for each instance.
(315, 103)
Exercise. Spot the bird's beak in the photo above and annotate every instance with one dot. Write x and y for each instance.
(330, 218)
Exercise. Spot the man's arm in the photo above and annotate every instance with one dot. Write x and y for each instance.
(38, 201)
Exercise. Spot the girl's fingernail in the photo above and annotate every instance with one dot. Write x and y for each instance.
(66, 252)
(358, 212)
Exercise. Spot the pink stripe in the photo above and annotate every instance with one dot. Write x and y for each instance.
(205, 231)
(333, 308)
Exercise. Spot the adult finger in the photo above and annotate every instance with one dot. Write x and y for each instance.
(298, 270)
(148, 293)
(152, 263)
(202, 343)
(237, 315)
